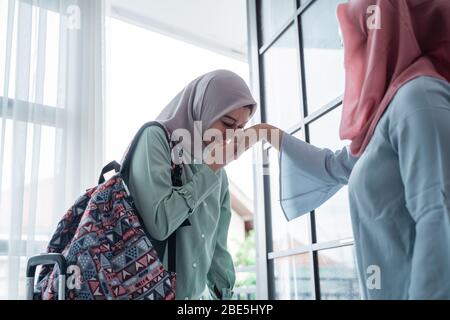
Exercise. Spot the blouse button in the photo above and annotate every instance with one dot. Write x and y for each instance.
(205, 205)
(203, 236)
(194, 265)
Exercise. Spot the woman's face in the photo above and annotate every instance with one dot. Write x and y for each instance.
(234, 120)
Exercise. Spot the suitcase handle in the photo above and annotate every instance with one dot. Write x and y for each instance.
(44, 260)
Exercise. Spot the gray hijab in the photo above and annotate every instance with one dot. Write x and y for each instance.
(206, 99)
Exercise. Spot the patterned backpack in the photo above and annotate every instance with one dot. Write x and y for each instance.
(108, 253)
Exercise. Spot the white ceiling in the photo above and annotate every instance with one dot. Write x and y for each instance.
(218, 25)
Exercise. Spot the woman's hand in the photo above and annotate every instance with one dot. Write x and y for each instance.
(220, 154)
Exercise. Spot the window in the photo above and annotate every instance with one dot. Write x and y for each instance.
(282, 82)
(337, 274)
(293, 277)
(28, 113)
(323, 54)
(301, 76)
(274, 15)
(145, 71)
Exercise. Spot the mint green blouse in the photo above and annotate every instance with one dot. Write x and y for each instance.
(204, 199)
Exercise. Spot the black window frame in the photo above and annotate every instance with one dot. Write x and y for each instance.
(256, 53)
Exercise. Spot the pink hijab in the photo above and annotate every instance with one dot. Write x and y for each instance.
(413, 40)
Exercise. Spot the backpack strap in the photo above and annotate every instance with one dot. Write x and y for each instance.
(126, 161)
(113, 165)
(176, 182)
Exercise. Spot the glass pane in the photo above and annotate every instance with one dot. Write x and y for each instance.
(285, 235)
(52, 59)
(274, 14)
(293, 278)
(141, 71)
(43, 193)
(337, 273)
(323, 53)
(5, 264)
(3, 29)
(333, 217)
(38, 85)
(240, 175)
(281, 82)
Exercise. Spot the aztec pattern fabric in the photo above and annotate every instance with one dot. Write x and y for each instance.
(108, 253)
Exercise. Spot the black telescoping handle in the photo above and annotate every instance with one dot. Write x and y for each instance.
(45, 260)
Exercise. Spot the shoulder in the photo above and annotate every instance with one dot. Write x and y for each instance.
(156, 132)
(224, 178)
(224, 183)
(420, 113)
(155, 137)
(152, 144)
(418, 95)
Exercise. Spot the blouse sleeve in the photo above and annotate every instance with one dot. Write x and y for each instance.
(309, 176)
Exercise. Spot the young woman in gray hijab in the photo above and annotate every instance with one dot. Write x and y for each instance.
(218, 100)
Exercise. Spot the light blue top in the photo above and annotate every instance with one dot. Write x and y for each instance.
(399, 192)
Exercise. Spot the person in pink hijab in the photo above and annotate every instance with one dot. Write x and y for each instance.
(396, 112)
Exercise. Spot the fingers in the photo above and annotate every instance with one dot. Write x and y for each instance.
(222, 152)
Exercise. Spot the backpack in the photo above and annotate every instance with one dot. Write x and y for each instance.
(107, 251)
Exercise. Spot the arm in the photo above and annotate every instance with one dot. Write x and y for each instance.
(164, 208)
(421, 141)
(221, 275)
(309, 176)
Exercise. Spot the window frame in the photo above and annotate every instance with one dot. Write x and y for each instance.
(266, 283)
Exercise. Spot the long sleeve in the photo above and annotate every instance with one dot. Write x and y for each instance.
(221, 275)
(164, 208)
(309, 176)
(421, 141)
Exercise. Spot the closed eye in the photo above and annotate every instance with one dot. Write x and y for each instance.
(228, 125)
(231, 125)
